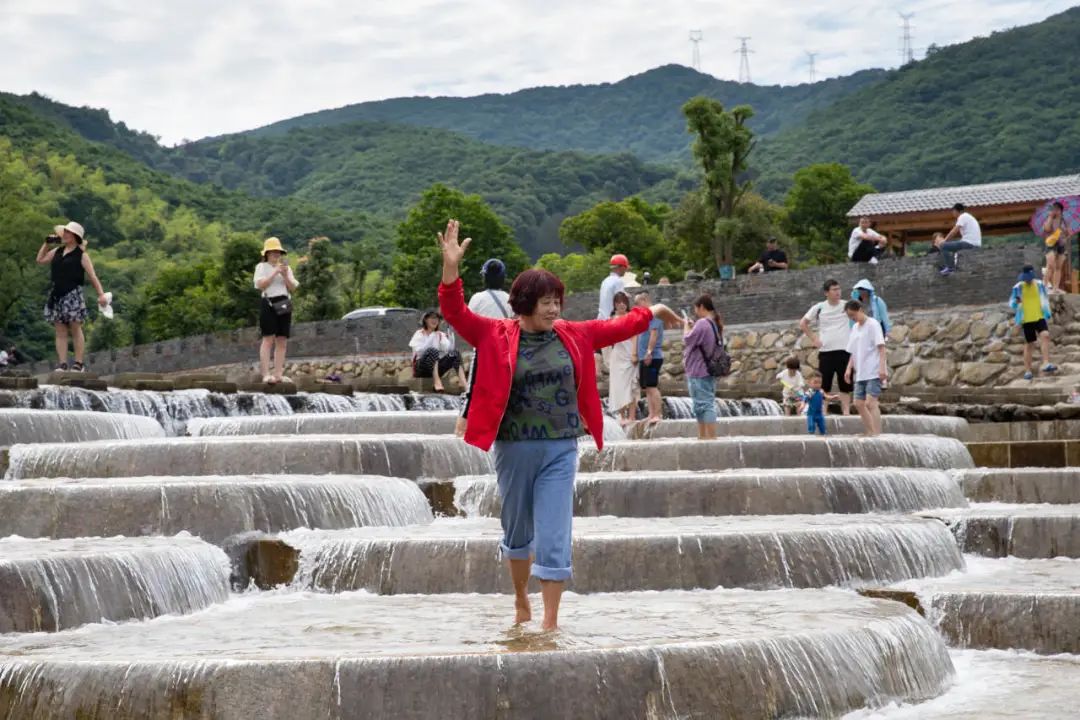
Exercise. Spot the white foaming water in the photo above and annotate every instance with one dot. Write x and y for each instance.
(997, 685)
(682, 408)
(89, 580)
(19, 425)
(211, 507)
(346, 423)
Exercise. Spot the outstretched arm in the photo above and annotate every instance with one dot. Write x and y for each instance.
(452, 291)
(608, 332)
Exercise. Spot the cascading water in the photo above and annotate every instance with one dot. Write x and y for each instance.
(32, 426)
(780, 654)
(618, 554)
(55, 584)
(211, 507)
(743, 492)
(682, 408)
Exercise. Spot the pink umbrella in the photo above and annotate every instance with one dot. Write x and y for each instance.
(1070, 213)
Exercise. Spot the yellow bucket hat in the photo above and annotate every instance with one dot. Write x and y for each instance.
(271, 244)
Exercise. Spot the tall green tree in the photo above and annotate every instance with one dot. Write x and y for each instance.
(416, 270)
(632, 227)
(241, 253)
(722, 147)
(817, 206)
(692, 226)
(320, 298)
(579, 272)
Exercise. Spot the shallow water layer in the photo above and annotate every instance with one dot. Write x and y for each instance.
(408, 456)
(211, 507)
(617, 554)
(631, 655)
(772, 492)
(1023, 485)
(997, 685)
(835, 425)
(56, 584)
(1026, 531)
(351, 423)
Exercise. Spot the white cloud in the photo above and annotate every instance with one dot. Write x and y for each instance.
(207, 67)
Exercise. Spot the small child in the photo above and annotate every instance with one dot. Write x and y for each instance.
(794, 386)
(1075, 397)
(815, 405)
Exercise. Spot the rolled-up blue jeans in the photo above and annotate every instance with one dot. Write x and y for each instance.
(536, 484)
(703, 392)
(949, 250)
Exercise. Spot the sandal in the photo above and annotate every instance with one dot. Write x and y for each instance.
(62, 367)
(77, 367)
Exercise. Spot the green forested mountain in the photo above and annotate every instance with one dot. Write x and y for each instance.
(997, 108)
(639, 114)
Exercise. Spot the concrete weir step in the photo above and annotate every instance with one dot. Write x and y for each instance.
(739, 492)
(1004, 603)
(784, 451)
(210, 507)
(835, 425)
(406, 456)
(346, 423)
(1025, 531)
(49, 585)
(300, 656)
(18, 425)
(1022, 485)
(620, 554)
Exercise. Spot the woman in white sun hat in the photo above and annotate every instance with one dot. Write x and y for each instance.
(69, 265)
(275, 279)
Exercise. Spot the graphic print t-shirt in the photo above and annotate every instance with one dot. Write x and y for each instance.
(543, 396)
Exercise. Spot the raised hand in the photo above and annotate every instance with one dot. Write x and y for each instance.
(663, 312)
(452, 250)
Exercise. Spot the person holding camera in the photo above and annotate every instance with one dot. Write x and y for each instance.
(69, 266)
(275, 279)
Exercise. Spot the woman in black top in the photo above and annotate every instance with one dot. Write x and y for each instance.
(66, 308)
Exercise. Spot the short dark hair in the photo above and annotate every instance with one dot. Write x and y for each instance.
(1058, 205)
(815, 376)
(853, 306)
(532, 285)
(959, 207)
(830, 283)
(494, 274)
(792, 363)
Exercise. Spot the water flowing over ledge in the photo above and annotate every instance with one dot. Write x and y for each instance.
(407, 456)
(56, 584)
(786, 451)
(619, 554)
(1023, 485)
(36, 426)
(1006, 603)
(835, 424)
(352, 423)
(300, 656)
(741, 492)
(211, 507)
(1025, 531)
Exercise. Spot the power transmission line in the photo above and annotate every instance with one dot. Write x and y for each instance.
(811, 56)
(696, 37)
(744, 52)
(907, 50)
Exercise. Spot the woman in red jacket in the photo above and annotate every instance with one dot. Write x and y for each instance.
(534, 397)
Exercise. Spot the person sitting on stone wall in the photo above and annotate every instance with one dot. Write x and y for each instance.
(1032, 307)
(866, 244)
(967, 227)
(772, 259)
(433, 352)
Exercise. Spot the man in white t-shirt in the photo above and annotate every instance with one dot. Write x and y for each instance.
(867, 367)
(967, 227)
(492, 302)
(865, 244)
(831, 341)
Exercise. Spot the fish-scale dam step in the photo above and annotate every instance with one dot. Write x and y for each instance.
(51, 426)
(210, 507)
(299, 656)
(1024, 531)
(407, 456)
(621, 554)
(739, 492)
(55, 584)
(783, 451)
(834, 424)
(1004, 603)
(1023, 485)
(357, 423)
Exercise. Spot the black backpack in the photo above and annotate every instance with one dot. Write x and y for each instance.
(718, 362)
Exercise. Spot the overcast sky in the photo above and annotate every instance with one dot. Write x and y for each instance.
(192, 68)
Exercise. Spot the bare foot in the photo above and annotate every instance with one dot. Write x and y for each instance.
(522, 610)
(653, 420)
(550, 625)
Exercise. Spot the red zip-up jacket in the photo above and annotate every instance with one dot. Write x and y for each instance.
(496, 341)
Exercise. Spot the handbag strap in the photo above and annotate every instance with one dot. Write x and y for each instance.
(502, 308)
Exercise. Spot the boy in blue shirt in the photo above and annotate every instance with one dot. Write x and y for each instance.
(815, 405)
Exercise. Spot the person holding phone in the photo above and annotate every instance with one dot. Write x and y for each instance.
(275, 279)
(69, 266)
